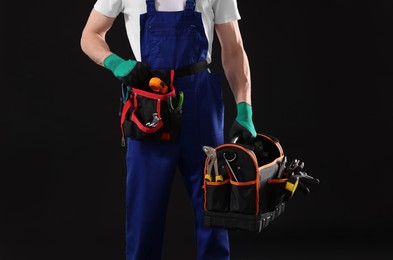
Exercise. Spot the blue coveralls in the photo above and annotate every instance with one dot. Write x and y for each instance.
(171, 40)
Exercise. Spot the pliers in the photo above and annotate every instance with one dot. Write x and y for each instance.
(179, 104)
(212, 163)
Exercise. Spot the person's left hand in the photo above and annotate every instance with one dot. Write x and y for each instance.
(242, 128)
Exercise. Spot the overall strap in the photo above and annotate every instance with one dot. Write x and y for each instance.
(151, 6)
(189, 7)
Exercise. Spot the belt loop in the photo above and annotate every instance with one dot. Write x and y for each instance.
(172, 75)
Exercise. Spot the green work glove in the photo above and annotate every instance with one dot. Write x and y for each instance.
(130, 72)
(243, 128)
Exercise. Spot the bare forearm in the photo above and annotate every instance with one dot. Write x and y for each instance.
(236, 68)
(95, 47)
(92, 41)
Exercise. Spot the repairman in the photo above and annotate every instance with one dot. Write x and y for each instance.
(175, 35)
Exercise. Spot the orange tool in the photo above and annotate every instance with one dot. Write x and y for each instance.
(157, 85)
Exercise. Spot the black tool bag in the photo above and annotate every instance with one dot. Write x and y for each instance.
(147, 115)
(249, 193)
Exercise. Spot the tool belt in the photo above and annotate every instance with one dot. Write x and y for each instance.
(246, 191)
(150, 115)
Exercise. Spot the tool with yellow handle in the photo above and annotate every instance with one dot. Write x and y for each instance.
(297, 179)
(212, 163)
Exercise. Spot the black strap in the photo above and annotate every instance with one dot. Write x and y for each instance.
(191, 69)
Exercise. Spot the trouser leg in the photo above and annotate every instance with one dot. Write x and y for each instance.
(204, 126)
(150, 171)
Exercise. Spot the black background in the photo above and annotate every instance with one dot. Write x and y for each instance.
(321, 77)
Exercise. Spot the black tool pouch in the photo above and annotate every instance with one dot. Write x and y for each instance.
(250, 194)
(151, 116)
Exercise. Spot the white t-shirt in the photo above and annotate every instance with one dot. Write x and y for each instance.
(213, 12)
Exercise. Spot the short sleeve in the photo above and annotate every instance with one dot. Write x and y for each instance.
(110, 8)
(225, 11)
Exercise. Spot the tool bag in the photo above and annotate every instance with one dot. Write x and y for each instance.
(149, 115)
(248, 193)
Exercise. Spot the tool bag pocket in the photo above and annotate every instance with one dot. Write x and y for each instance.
(217, 196)
(243, 197)
(152, 116)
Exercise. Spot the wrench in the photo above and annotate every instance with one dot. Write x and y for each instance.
(282, 167)
(229, 165)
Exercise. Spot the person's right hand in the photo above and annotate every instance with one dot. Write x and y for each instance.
(131, 72)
